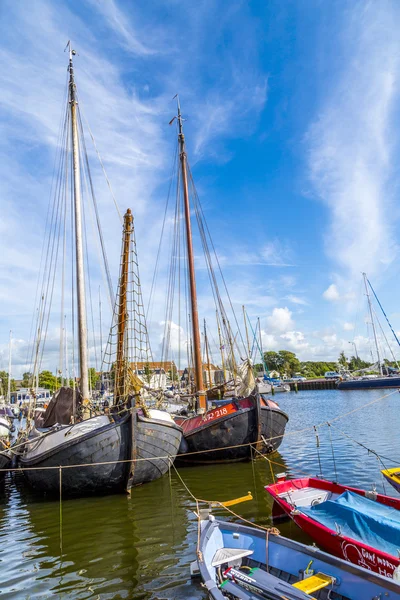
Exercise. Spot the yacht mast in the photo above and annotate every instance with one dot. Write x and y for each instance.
(372, 322)
(192, 278)
(9, 370)
(80, 272)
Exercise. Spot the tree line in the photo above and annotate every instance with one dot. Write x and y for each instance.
(287, 363)
(47, 380)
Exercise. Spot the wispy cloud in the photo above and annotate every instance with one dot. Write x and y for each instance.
(119, 23)
(296, 300)
(351, 161)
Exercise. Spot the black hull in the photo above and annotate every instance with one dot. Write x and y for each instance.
(5, 463)
(237, 430)
(104, 445)
(369, 384)
(273, 424)
(154, 439)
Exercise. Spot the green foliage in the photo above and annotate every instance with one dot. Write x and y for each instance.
(173, 373)
(357, 363)
(27, 380)
(342, 360)
(4, 383)
(93, 378)
(284, 362)
(47, 380)
(317, 368)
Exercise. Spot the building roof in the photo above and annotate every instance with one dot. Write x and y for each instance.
(166, 365)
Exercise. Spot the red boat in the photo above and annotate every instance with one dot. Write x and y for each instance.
(224, 433)
(360, 526)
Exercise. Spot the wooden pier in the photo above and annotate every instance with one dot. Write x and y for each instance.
(312, 384)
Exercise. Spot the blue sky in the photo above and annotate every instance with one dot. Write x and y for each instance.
(292, 133)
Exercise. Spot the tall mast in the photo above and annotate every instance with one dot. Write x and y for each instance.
(207, 355)
(80, 272)
(247, 332)
(192, 278)
(122, 309)
(372, 322)
(221, 347)
(261, 347)
(9, 370)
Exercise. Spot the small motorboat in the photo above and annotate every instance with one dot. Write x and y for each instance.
(236, 561)
(363, 527)
(393, 477)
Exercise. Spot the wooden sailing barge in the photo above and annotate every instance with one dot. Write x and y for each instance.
(76, 453)
(225, 433)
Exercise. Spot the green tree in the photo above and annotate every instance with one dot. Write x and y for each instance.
(282, 361)
(3, 382)
(272, 360)
(27, 380)
(47, 380)
(356, 362)
(173, 373)
(342, 360)
(93, 377)
(147, 372)
(290, 362)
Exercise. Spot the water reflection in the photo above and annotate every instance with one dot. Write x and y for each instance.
(141, 547)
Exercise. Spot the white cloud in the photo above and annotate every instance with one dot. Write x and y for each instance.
(280, 320)
(351, 143)
(348, 326)
(126, 36)
(331, 339)
(277, 254)
(296, 340)
(296, 300)
(331, 293)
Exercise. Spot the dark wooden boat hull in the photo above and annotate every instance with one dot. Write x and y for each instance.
(229, 437)
(273, 425)
(158, 442)
(225, 434)
(5, 463)
(108, 445)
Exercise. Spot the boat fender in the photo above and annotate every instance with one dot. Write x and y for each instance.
(183, 447)
(371, 495)
(396, 574)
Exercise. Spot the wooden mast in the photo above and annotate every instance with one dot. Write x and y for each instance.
(80, 270)
(122, 308)
(192, 278)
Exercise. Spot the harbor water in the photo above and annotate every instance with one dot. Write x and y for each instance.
(141, 546)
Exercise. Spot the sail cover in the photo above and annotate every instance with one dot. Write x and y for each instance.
(61, 407)
(360, 519)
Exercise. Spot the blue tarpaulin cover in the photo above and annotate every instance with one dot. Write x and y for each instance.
(361, 519)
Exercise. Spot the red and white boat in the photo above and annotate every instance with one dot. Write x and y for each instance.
(360, 526)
